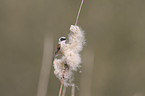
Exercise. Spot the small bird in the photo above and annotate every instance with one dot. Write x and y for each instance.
(61, 43)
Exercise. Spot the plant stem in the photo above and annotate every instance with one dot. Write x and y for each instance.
(64, 91)
(61, 87)
(73, 90)
(79, 12)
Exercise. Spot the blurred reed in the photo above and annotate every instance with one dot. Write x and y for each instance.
(46, 65)
(73, 90)
(87, 71)
(64, 91)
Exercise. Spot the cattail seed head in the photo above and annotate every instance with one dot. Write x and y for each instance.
(70, 60)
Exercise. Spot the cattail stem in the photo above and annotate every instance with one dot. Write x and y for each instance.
(73, 90)
(79, 12)
(61, 87)
(64, 90)
(60, 91)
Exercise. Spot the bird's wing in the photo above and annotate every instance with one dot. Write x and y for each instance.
(57, 52)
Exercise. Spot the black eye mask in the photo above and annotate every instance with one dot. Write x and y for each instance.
(62, 39)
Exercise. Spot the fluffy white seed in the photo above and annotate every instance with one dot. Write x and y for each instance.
(71, 56)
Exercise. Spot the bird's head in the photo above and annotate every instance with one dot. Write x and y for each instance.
(62, 40)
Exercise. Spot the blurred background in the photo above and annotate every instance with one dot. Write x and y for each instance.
(113, 57)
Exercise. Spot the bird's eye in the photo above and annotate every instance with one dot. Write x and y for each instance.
(62, 39)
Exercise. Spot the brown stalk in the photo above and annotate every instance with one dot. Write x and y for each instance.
(64, 91)
(79, 12)
(73, 90)
(60, 91)
(61, 87)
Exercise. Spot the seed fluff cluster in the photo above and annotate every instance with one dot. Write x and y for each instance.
(67, 58)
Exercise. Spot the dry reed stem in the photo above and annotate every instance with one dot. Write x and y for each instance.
(61, 88)
(46, 66)
(79, 12)
(73, 90)
(86, 77)
(64, 91)
(60, 91)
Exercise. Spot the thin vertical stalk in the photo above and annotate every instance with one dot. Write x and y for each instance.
(86, 77)
(60, 91)
(46, 66)
(64, 91)
(73, 90)
(79, 12)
